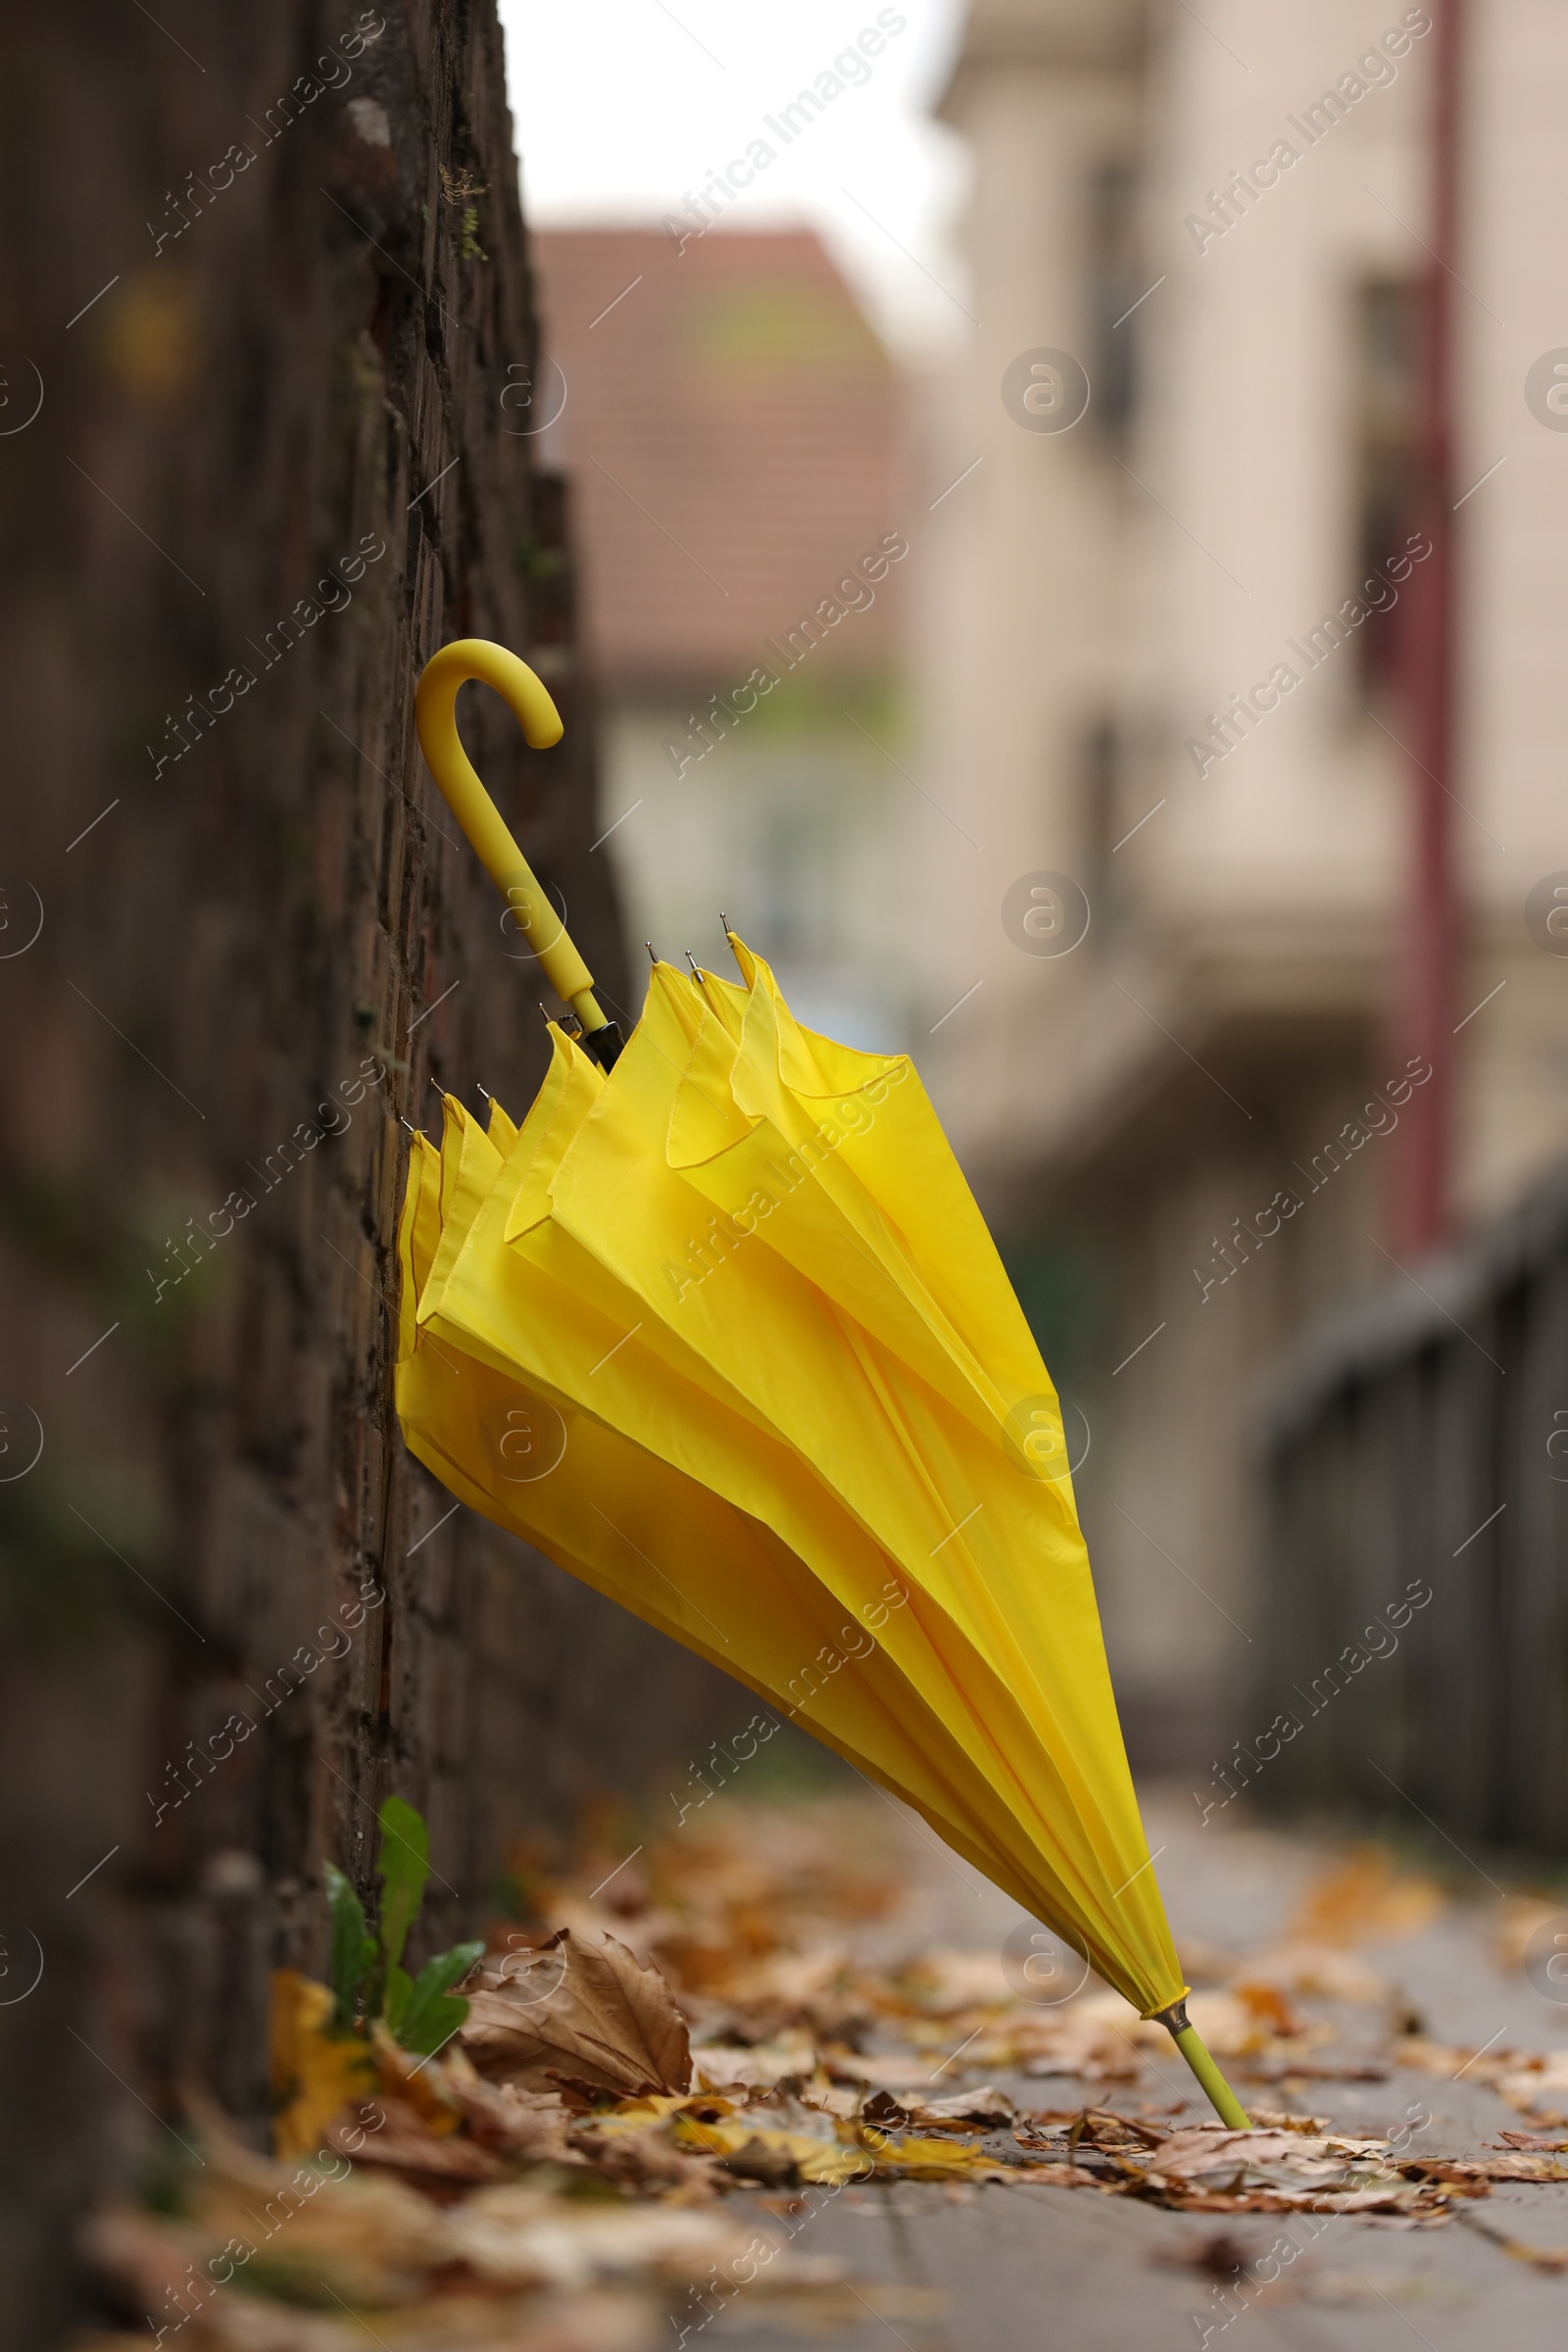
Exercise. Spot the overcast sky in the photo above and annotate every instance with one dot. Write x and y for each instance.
(624, 108)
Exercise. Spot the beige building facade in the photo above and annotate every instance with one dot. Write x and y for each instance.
(1157, 650)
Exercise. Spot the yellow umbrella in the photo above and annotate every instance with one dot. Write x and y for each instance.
(639, 1530)
(537, 1306)
(746, 1279)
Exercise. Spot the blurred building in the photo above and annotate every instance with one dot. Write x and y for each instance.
(731, 423)
(1160, 639)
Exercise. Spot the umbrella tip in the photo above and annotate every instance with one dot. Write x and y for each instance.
(653, 952)
(692, 960)
(723, 922)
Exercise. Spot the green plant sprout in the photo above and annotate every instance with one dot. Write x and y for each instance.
(368, 1977)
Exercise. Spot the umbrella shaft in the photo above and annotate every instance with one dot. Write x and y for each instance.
(1226, 2105)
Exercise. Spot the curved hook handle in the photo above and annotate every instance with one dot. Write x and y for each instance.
(435, 719)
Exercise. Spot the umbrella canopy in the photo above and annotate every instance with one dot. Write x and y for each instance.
(720, 1329)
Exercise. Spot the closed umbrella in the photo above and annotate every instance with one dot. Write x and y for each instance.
(734, 1272)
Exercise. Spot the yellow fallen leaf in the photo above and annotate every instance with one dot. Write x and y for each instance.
(641, 2115)
(315, 2073)
(771, 2151)
(917, 2157)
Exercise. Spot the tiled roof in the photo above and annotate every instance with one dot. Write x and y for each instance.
(731, 431)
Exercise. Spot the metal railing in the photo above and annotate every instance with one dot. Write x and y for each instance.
(1418, 1443)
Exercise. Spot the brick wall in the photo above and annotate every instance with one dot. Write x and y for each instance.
(293, 360)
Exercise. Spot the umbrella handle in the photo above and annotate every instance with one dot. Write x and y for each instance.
(436, 718)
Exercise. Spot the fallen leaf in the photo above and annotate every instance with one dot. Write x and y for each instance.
(1541, 2258)
(916, 2156)
(1320, 1970)
(529, 2125)
(647, 2160)
(1205, 2150)
(1516, 2167)
(800, 2145)
(406, 2143)
(517, 2236)
(1529, 2082)
(887, 2070)
(1365, 1901)
(315, 2073)
(722, 2066)
(1520, 1918)
(986, 2107)
(605, 2021)
(420, 2083)
(944, 1979)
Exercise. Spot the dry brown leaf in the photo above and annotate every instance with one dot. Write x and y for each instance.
(1321, 1971)
(1208, 2168)
(420, 2083)
(1516, 2167)
(149, 2259)
(1522, 2082)
(648, 2160)
(894, 2071)
(1525, 2083)
(517, 2236)
(1267, 2004)
(528, 2125)
(1365, 1901)
(726, 2066)
(1541, 2258)
(1519, 1919)
(274, 2228)
(986, 2109)
(945, 1980)
(606, 2022)
(1207, 2150)
(404, 2144)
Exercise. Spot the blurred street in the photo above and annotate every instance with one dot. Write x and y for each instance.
(1013, 2268)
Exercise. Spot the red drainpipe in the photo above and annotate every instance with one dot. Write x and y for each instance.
(1426, 1007)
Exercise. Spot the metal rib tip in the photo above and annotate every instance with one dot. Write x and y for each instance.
(692, 960)
(545, 1013)
(724, 922)
(653, 952)
(485, 1090)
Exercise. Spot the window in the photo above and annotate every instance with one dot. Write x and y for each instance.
(1113, 289)
(1099, 770)
(1388, 312)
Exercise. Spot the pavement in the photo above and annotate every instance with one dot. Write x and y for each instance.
(1009, 2269)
